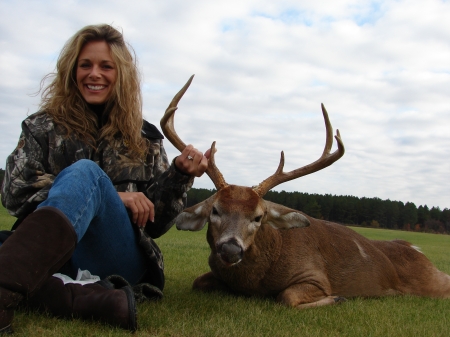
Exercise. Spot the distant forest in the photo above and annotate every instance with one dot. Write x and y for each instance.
(349, 210)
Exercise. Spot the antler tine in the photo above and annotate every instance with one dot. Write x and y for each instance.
(329, 131)
(326, 159)
(167, 121)
(213, 172)
(168, 128)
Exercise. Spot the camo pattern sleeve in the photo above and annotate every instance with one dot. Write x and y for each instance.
(168, 192)
(26, 182)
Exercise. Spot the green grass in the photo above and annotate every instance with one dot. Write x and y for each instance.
(186, 313)
(6, 220)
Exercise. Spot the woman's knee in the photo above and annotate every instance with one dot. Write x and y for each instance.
(84, 169)
(86, 165)
(83, 173)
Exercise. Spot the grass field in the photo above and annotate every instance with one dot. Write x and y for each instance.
(186, 313)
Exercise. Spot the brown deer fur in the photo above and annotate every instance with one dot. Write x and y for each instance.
(266, 249)
(302, 267)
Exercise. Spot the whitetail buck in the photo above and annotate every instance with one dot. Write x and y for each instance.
(262, 248)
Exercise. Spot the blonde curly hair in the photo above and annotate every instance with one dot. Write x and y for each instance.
(63, 101)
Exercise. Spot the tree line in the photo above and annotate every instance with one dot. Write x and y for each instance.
(2, 175)
(350, 210)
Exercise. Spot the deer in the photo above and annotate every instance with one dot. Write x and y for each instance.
(260, 248)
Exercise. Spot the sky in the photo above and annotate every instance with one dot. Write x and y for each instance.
(262, 69)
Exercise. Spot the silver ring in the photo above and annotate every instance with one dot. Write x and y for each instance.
(190, 158)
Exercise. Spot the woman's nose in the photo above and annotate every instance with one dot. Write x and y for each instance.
(95, 72)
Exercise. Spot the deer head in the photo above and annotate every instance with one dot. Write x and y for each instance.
(235, 213)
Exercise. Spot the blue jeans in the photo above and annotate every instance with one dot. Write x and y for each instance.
(107, 243)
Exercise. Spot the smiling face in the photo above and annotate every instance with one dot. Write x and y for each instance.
(96, 72)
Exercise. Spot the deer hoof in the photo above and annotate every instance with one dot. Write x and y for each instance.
(339, 300)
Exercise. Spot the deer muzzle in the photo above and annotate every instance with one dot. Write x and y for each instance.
(230, 252)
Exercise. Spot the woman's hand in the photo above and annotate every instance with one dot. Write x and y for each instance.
(142, 209)
(191, 161)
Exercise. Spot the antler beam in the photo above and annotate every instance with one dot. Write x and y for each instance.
(168, 128)
(325, 160)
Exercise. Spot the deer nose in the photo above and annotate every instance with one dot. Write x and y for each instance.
(230, 252)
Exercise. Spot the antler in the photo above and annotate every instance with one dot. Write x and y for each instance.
(168, 128)
(325, 160)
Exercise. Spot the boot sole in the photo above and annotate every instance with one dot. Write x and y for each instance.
(131, 308)
(7, 330)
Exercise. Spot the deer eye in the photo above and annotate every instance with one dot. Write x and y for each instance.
(258, 218)
(214, 211)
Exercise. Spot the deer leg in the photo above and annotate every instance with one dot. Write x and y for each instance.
(302, 296)
(208, 282)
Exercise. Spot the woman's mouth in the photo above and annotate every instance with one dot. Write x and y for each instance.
(95, 87)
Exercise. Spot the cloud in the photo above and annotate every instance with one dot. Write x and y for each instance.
(262, 69)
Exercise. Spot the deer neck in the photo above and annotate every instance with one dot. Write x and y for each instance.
(266, 246)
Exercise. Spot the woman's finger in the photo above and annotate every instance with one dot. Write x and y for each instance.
(141, 208)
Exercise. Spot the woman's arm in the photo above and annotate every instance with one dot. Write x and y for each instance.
(168, 192)
(190, 162)
(26, 183)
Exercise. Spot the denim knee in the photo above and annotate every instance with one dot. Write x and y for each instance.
(78, 191)
(86, 171)
(86, 166)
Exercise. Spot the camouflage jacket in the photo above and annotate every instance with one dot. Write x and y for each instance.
(43, 152)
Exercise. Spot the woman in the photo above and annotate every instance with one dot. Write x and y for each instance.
(90, 184)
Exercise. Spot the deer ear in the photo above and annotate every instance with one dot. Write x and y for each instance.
(281, 217)
(193, 218)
